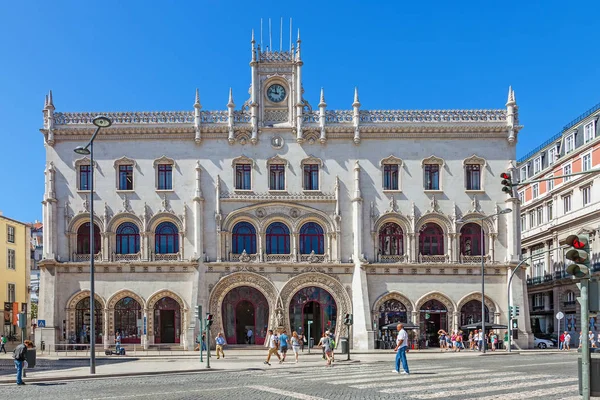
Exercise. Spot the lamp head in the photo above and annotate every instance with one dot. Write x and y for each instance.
(102, 122)
(81, 150)
(506, 211)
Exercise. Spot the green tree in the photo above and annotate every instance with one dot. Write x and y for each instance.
(34, 310)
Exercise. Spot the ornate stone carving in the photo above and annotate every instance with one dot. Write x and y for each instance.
(244, 257)
(85, 204)
(393, 295)
(126, 205)
(393, 206)
(436, 296)
(294, 213)
(260, 212)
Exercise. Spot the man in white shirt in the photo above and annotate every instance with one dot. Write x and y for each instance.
(567, 343)
(401, 347)
(273, 346)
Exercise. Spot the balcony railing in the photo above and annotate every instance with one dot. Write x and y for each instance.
(388, 258)
(127, 257)
(243, 257)
(570, 303)
(279, 258)
(436, 259)
(538, 308)
(167, 257)
(474, 259)
(86, 257)
(313, 258)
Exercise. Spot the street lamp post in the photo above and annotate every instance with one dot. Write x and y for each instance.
(505, 211)
(100, 122)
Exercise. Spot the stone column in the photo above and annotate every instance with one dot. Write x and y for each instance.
(261, 249)
(547, 267)
(48, 309)
(106, 339)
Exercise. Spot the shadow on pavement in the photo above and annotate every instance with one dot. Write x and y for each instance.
(7, 366)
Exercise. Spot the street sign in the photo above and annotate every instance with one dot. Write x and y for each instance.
(41, 323)
(310, 322)
(560, 315)
(145, 326)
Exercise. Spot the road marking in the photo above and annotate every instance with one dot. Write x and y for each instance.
(132, 396)
(369, 376)
(537, 365)
(417, 379)
(294, 395)
(529, 394)
(498, 378)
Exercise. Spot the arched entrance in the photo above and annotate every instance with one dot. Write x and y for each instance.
(313, 304)
(433, 317)
(245, 308)
(470, 313)
(167, 321)
(128, 320)
(82, 321)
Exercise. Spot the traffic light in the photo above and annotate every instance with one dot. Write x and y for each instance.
(209, 319)
(514, 324)
(348, 319)
(198, 312)
(22, 320)
(516, 311)
(579, 254)
(507, 183)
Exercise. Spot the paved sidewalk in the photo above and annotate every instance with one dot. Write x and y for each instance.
(60, 368)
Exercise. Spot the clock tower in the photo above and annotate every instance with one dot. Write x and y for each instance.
(276, 89)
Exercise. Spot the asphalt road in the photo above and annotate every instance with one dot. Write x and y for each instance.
(535, 376)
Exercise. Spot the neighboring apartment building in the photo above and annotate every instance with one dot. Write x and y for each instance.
(555, 209)
(277, 213)
(14, 271)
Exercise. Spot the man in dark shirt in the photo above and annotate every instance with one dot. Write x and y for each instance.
(20, 355)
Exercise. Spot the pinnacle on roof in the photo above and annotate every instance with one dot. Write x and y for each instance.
(230, 103)
(50, 102)
(197, 102)
(356, 101)
(511, 97)
(322, 101)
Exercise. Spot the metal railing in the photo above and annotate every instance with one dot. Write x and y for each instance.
(131, 349)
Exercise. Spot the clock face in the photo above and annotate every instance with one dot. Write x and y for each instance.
(276, 93)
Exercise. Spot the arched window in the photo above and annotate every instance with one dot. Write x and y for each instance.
(128, 238)
(166, 238)
(391, 240)
(431, 240)
(244, 238)
(278, 239)
(470, 240)
(83, 239)
(312, 239)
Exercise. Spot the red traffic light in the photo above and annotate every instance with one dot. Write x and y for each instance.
(578, 242)
(505, 175)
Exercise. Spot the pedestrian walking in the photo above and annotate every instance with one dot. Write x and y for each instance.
(118, 339)
(506, 340)
(471, 341)
(220, 342)
(273, 341)
(493, 340)
(561, 341)
(481, 340)
(401, 348)
(567, 345)
(580, 338)
(442, 336)
(20, 355)
(295, 344)
(283, 345)
(459, 341)
(3, 341)
(592, 341)
(203, 340)
(302, 339)
(332, 345)
(325, 343)
(249, 335)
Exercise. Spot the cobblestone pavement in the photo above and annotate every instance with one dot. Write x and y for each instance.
(539, 376)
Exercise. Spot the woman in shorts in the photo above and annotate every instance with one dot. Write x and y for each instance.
(442, 335)
(326, 344)
(295, 344)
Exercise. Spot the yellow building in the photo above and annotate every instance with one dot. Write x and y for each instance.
(15, 257)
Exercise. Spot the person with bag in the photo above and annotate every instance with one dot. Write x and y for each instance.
(3, 341)
(273, 341)
(325, 343)
(219, 343)
(20, 357)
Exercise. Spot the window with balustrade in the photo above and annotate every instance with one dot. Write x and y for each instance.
(128, 238)
(243, 238)
(391, 240)
(312, 239)
(470, 240)
(83, 239)
(431, 240)
(278, 238)
(166, 238)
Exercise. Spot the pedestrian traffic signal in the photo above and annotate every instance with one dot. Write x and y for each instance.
(209, 319)
(514, 324)
(506, 183)
(579, 254)
(348, 319)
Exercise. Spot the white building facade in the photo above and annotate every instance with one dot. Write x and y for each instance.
(275, 213)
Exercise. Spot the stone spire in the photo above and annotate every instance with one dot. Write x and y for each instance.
(230, 104)
(511, 97)
(197, 108)
(230, 107)
(356, 116)
(322, 100)
(512, 117)
(298, 41)
(253, 42)
(50, 102)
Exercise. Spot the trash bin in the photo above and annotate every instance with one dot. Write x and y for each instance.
(345, 345)
(30, 358)
(43, 345)
(311, 343)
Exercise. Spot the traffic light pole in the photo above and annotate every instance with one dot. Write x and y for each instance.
(349, 341)
(512, 274)
(585, 342)
(207, 345)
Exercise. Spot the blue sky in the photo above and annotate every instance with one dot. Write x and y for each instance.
(142, 55)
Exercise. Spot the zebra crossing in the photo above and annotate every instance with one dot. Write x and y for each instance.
(427, 382)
